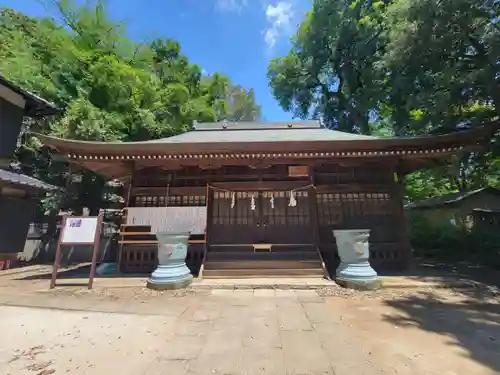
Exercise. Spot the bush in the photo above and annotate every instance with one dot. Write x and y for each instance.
(446, 241)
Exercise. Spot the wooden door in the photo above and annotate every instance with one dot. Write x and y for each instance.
(234, 225)
(283, 224)
(280, 224)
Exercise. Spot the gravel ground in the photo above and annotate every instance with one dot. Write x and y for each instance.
(424, 329)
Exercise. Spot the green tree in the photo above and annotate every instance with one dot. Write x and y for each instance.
(401, 68)
(442, 59)
(108, 87)
(330, 71)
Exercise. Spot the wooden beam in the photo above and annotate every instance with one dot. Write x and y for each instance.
(261, 185)
(354, 188)
(161, 191)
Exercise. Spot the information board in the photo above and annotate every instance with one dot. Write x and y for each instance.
(75, 231)
(79, 230)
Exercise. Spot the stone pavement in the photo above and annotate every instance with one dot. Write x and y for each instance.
(261, 331)
(415, 325)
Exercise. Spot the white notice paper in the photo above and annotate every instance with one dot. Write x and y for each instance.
(169, 219)
(79, 230)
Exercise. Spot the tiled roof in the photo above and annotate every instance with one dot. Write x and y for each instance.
(36, 106)
(23, 180)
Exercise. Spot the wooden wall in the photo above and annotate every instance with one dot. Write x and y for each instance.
(11, 118)
(356, 196)
(16, 215)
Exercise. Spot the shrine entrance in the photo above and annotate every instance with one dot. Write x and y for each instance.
(252, 217)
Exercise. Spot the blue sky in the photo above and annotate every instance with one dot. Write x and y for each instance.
(234, 37)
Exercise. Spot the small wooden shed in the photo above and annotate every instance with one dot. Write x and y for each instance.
(456, 208)
(19, 194)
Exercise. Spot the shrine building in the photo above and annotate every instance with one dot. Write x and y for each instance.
(262, 198)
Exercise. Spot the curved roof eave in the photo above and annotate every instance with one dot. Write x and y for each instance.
(178, 144)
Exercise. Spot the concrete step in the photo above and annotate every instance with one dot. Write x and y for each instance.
(249, 273)
(262, 264)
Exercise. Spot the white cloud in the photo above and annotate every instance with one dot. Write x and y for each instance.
(231, 5)
(279, 17)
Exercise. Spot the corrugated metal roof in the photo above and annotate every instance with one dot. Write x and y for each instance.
(23, 180)
(449, 198)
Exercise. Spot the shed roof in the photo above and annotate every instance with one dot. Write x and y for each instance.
(24, 181)
(450, 198)
(35, 105)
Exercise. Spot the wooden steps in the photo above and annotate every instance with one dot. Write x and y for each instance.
(257, 273)
(263, 264)
(243, 262)
(248, 256)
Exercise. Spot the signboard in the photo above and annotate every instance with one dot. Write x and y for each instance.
(82, 230)
(298, 171)
(79, 230)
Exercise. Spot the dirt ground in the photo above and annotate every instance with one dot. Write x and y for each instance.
(131, 330)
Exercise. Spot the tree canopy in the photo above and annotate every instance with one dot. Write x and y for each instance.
(108, 87)
(401, 67)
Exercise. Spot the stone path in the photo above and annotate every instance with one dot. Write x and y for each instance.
(226, 332)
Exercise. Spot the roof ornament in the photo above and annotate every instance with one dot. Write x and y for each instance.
(224, 124)
(289, 125)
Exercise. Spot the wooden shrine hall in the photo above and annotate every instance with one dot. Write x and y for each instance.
(262, 199)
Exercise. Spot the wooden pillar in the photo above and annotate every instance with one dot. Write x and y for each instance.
(313, 208)
(404, 237)
(209, 216)
(127, 203)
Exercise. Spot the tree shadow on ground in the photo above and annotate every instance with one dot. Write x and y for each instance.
(83, 271)
(471, 323)
(76, 272)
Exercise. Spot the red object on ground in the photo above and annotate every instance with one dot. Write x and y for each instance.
(4, 264)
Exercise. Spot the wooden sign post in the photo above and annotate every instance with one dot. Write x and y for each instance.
(75, 231)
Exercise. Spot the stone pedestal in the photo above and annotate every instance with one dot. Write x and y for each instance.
(172, 272)
(354, 270)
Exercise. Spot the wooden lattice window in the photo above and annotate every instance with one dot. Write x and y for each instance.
(186, 200)
(329, 209)
(172, 201)
(147, 201)
(240, 214)
(282, 214)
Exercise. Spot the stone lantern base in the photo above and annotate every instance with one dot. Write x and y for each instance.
(172, 272)
(354, 270)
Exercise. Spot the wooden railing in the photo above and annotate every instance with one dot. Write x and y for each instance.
(326, 274)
